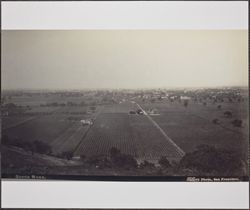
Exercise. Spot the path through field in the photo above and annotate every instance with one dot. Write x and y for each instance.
(179, 151)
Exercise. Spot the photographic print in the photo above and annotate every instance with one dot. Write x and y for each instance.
(125, 104)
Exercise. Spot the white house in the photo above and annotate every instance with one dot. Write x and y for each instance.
(86, 122)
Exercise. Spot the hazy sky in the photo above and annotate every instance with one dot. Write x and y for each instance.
(78, 59)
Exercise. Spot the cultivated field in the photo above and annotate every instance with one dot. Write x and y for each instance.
(143, 125)
(193, 126)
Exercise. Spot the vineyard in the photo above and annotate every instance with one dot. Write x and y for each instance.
(131, 134)
(109, 130)
(170, 131)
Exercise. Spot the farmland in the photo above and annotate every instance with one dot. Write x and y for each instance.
(176, 117)
(145, 125)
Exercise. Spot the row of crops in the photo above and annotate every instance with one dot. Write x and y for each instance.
(131, 134)
(115, 127)
(109, 130)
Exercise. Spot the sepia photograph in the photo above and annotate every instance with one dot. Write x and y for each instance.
(125, 104)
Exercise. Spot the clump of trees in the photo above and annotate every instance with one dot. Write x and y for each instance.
(120, 160)
(205, 160)
(208, 159)
(164, 163)
(32, 146)
(115, 159)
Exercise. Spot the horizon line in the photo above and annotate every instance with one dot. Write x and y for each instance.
(139, 88)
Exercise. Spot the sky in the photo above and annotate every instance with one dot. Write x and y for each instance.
(123, 59)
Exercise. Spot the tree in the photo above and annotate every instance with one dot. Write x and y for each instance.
(164, 163)
(228, 114)
(219, 107)
(185, 103)
(237, 123)
(120, 160)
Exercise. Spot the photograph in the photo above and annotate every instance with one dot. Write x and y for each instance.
(125, 104)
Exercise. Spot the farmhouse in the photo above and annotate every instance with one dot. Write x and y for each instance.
(86, 122)
(153, 112)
